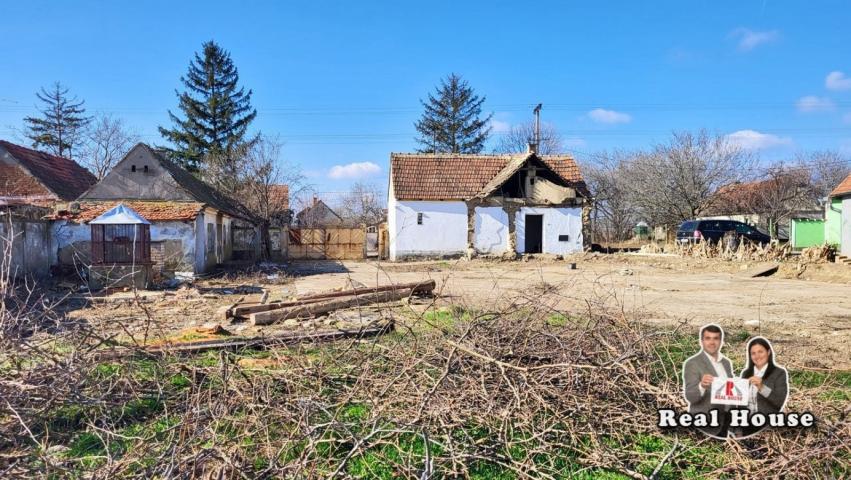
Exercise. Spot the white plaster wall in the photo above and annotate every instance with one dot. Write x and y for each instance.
(183, 231)
(64, 233)
(443, 232)
(845, 226)
(491, 230)
(557, 221)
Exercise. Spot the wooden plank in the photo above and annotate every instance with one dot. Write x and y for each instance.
(417, 287)
(319, 308)
(271, 341)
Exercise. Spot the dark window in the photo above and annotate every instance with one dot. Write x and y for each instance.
(688, 226)
(133, 168)
(419, 219)
(145, 169)
(742, 228)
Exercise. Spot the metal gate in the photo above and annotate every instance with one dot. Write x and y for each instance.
(372, 241)
(326, 243)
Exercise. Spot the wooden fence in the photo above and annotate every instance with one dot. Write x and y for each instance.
(326, 243)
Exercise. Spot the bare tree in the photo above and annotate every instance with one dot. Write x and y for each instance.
(678, 180)
(362, 205)
(107, 141)
(826, 168)
(518, 138)
(781, 192)
(267, 181)
(614, 214)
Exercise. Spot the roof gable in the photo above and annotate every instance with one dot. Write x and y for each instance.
(843, 189)
(146, 175)
(65, 178)
(445, 176)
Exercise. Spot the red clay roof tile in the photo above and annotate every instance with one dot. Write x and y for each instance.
(64, 177)
(151, 211)
(844, 187)
(424, 176)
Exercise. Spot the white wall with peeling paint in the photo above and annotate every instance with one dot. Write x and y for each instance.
(443, 230)
(182, 231)
(556, 221)
(491, 230)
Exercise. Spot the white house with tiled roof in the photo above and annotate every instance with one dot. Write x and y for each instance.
(444, 205)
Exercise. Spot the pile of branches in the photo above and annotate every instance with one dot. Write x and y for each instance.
(740, 251)
(818, 254)
(523, 391)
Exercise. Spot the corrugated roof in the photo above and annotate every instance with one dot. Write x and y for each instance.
(151, 211)
(844, 188)
(64, 177)
(443, 176)
(120, 215)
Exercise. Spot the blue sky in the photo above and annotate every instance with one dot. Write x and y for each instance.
(340, 82)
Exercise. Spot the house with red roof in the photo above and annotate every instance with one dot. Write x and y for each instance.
(193, 226)
(443, 205)
(31, 177)
(32, 183)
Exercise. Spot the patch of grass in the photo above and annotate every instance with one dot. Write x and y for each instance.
(180, 381)
(811, 379)
(66, 419)
(354, 412)
(106, 371)
(557, 320)
(142, 408)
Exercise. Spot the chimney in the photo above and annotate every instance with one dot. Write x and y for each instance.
(315, 199)
(531, 147)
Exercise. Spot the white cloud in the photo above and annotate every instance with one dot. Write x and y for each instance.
(354, 170)
(601, 115)
(837, 81)
(812, 103)
(753, 140)
(498, 126)
(750, 39)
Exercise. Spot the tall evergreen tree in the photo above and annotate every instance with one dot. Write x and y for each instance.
(217, 111)
(452, 119)
(61, 127)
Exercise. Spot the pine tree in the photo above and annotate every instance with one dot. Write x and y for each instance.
(452, 119)
(217, 112)
(62, 125)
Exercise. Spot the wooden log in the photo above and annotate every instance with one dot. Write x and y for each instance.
(318, 308)
(288, 338)
(226, 312)
(416, 287)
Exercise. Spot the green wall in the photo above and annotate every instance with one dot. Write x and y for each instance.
(833, 222)
(807, 232)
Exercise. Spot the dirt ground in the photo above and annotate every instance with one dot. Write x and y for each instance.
(804, 311)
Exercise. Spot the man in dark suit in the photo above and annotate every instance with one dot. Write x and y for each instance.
(698, 373)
